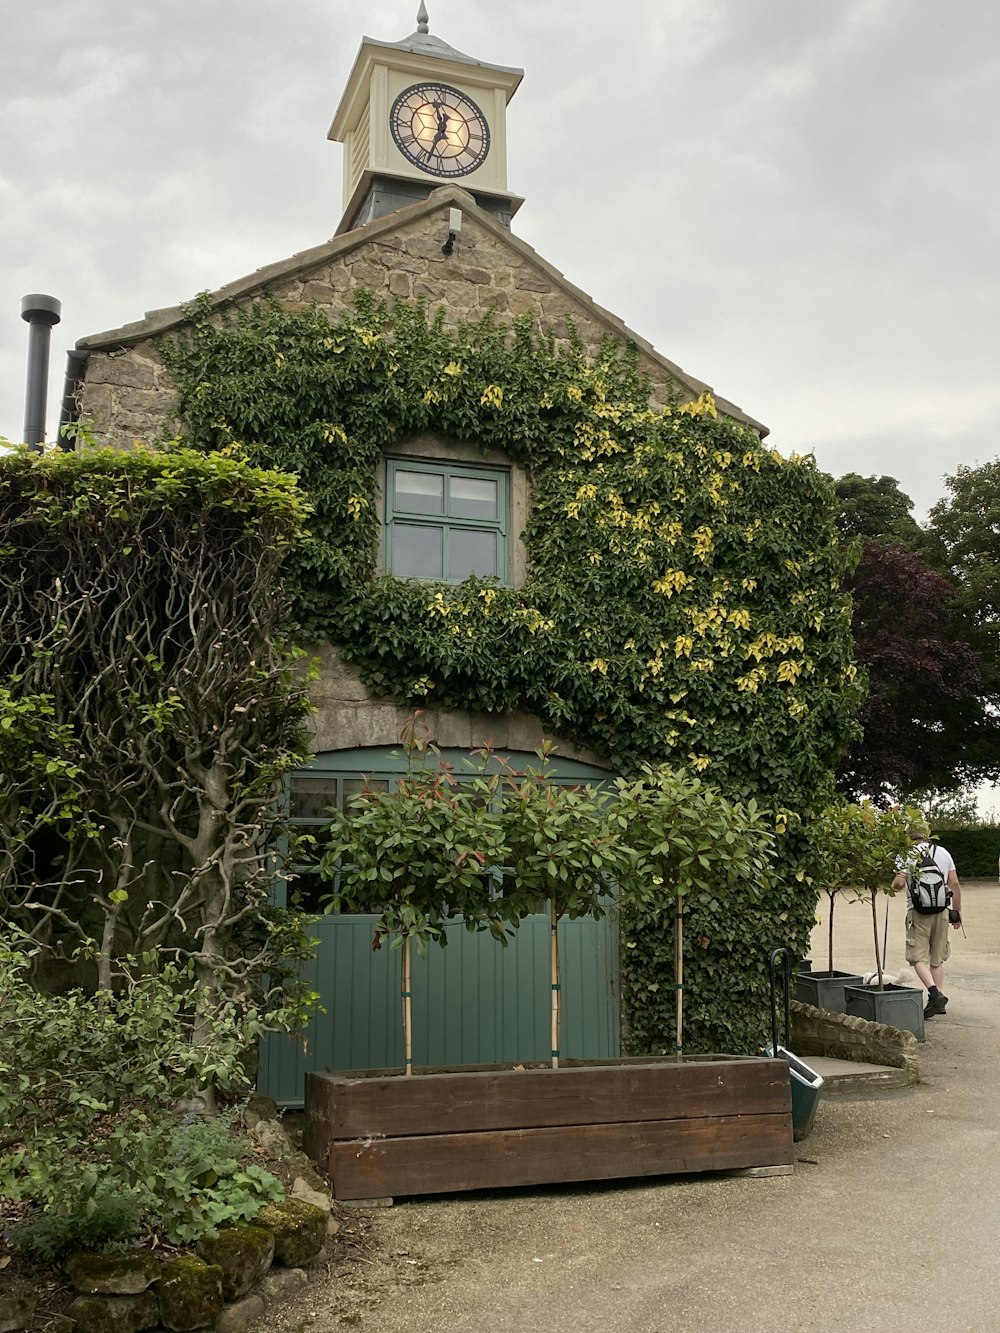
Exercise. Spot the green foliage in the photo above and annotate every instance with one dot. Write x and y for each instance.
(683, 603)
(561, 842)
(115, 1217)
(975, 848)
(192, 1178)
(698, 852)
(861, 850)
(418, 855)
(86, 1086)
(151, 705)
(875, 509)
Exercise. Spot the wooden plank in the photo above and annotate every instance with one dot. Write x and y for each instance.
(467, 1101)
(445, 1163)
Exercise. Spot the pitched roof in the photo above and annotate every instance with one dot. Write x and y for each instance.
(165, 320)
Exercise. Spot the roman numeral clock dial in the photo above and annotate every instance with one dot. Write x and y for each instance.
(439, 129)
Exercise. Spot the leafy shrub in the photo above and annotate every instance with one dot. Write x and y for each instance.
(191, 1179)
(115, 1217)
(87, 1083)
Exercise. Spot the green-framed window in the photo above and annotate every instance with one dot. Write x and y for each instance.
(446, 521)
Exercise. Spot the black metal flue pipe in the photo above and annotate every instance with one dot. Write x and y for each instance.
(41, 312)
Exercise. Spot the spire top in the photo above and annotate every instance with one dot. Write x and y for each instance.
(422, 21)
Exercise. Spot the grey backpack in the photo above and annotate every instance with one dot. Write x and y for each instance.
(928, 885)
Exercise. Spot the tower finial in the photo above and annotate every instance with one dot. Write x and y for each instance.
(422, 18)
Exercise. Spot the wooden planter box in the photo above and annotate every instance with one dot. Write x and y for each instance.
(383, 1135)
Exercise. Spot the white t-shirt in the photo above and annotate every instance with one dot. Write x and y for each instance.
(941, 856)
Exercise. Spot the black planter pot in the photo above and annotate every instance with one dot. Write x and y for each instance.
(825, 990)
(897, 1006)
(806, 965)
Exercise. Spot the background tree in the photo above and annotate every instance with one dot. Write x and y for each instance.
(875, 509)
(926, 719)
(964, 543)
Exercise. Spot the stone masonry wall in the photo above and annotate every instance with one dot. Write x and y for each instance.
(128, 394)
(844, 1037)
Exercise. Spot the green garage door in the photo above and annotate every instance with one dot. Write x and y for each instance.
(474, 1002)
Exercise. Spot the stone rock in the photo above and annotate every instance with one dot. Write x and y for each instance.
(16, 1312)
(272, 1138)
(305, 1168)
(301, 1189)
(60, 1323)
(280, 1281)
(243, 1253)
(332, 1225)
(190, 1293)
(259, 1108)
(299, 1230)
(238, 1317)
(114, 1314)
(126, 1274)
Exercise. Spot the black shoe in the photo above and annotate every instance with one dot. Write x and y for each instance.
(936, 1005)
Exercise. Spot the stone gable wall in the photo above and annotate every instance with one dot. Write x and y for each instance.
(128, 394)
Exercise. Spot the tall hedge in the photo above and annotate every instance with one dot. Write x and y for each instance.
(976, 850)
(684, 595)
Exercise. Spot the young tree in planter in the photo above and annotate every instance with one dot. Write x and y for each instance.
(417, 856)
(564, 847)
(831, 837)
(871, 846)
(689, 842)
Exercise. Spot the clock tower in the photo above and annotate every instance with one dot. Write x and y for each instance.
(417, 114)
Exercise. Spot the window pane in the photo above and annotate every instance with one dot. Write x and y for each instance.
(471, 552)
(307, 892)
(352, 786)
(419, 492)
(417, 551)
(313, 798)
(473, 497)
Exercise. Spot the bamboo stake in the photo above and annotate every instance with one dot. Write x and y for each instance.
(407, 1009)
(554, 978)
(679, 977)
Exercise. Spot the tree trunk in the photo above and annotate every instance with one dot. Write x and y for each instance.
(679, 978)
(554, 979)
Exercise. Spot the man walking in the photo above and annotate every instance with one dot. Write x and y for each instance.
(934, 901)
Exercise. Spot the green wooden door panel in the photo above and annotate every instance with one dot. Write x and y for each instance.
(474, 1002)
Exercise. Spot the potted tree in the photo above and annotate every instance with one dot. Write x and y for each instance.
(417, 856)
(832, 851)
(689, 842)
(882, 841)
(563, 848)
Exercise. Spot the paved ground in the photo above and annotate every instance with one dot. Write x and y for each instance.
(891, 1220)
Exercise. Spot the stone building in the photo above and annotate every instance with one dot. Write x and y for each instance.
(428, 215)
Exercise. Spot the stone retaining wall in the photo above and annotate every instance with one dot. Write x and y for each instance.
(844, 1037)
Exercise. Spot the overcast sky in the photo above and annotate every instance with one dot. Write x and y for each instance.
(796, 200)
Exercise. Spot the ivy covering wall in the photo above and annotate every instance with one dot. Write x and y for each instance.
(683, 599)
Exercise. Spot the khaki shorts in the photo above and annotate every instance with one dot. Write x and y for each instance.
(927, 938)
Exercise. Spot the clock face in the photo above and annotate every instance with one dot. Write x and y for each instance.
(439, 129)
